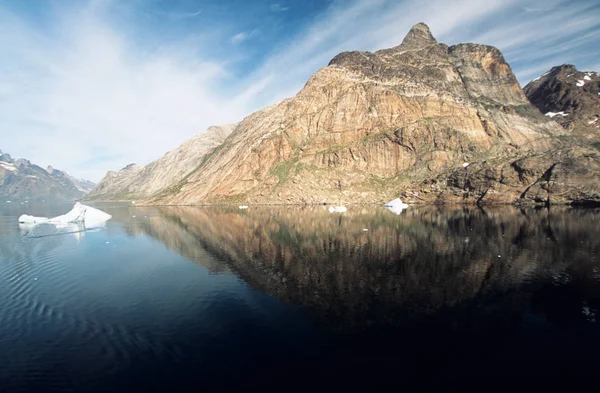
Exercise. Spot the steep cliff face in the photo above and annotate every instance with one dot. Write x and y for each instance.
(135, 182)
(423, 120)
(570, 97)
(21, 180)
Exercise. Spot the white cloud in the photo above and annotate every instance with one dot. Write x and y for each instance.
(181, 15)
(275, 7)
(88, 100)
(239, 38)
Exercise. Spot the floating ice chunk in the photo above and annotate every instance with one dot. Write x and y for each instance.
(337, 209)
(580, 83)
(396, 206)
(552, 114)
(465, 164)
(396, 203)
(87, 215)
(8, 201)
(243, 207)
(395, 209)
(26, 219)
(587, 78)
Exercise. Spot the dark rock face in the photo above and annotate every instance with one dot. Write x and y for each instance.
(21, 180)
(570, 97)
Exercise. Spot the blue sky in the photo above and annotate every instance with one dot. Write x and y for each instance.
(91, 86)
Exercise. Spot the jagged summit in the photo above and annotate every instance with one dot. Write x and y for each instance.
(131, 166)
(418, 36)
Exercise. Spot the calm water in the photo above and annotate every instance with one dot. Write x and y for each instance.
(201, 299)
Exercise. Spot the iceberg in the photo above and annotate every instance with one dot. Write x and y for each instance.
(396, 206)
(80, 214)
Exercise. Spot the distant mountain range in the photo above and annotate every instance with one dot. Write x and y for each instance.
(424, 121)
(20, 180)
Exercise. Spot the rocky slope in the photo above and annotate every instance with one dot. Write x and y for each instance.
(432, 123)
(570, 97)
(136, 182)
(21, 180)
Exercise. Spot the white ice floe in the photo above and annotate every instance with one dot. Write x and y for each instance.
(396, 206)
(552, 114)
(337, 209)
(8, 201)
(587, 78)
(580, 83)
(465, 164)
(243, 207)
(83, 214)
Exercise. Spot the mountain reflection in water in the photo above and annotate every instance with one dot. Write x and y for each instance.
(365, 269)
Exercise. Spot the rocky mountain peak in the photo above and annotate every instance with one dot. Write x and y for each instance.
(130, 167)
(22, 162)
(419, 36)
(570, 97)
(50, 169)
(5, 157)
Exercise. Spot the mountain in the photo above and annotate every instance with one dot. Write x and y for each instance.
(137, 182)
(82, 185)
(424, 121)
(570, 97)
(22, 180)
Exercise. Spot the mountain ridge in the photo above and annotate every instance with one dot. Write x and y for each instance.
(22, 180)
(142, 181)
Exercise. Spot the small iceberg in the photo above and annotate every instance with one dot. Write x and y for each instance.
(80, 214)
(337, 209)
(396, 206)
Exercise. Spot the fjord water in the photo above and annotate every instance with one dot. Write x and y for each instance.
(201, 298)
